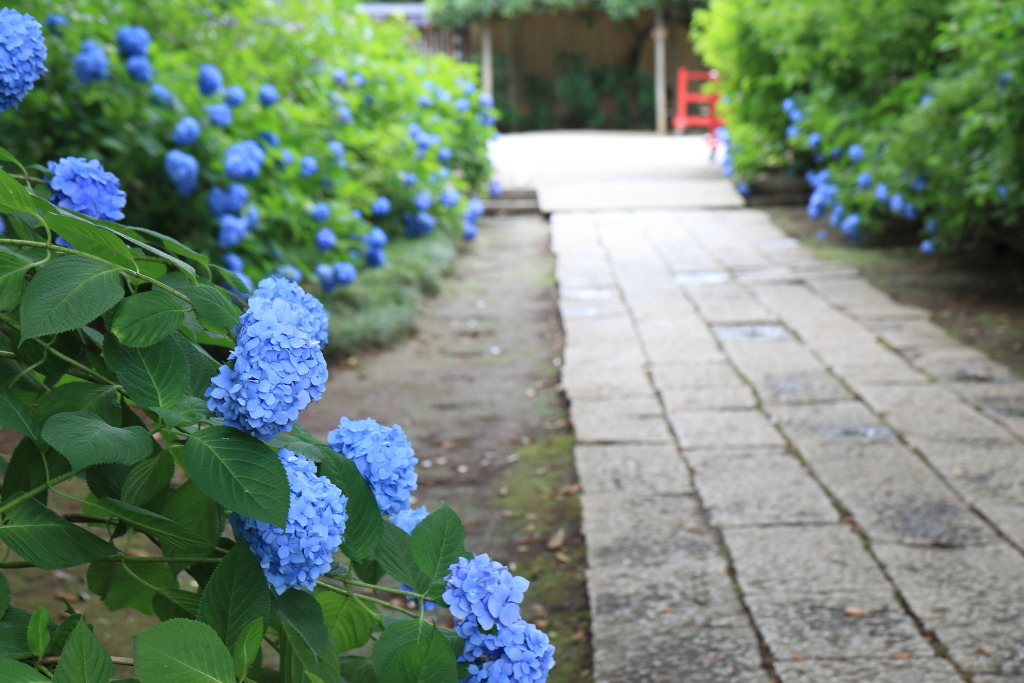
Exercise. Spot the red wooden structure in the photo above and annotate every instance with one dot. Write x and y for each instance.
(705, 104)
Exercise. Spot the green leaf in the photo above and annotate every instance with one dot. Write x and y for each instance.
(396, 636)
(247, 647)
(49, 541)
(182, 651)
(5, 594)
(364, 526)
(149, 478)
(84, 439)
(14, 196)
(188, 411)
(14, 633)
(428, 661)
(121, 587)
(236, 594)
(61, 634)
(213, 305)
(395, 554)
(15, 415)
(68, 292)
(173, 538)
(84, 659)
(240, 472)
(152, 376)
(437, 542)
(39, 631)
(297, 659)
(85, 236)
(349, 620)
(12, 279)
(30, 467)
(145, 318)
(311, 451)
(302, 612)
(87, 397)
(16, 672)
(192, 508)
(172, 603)
(358, 670)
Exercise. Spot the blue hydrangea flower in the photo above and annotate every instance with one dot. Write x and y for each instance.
(484, 590)
(376, 238)
(244, 160)
(286, 159)
(384, 458)
(881, 192)
(186, 131)
(315, 313)
(270, 137)
(303, 550)
(231, 199)
(925, 99)
(835, 217)
(358, 79)
(381, 206)
(406, 520)
(896, 203)
(325, 239)
(1002, 191)
(408, 179)
(233, 262)
(308, 166)
(210, 79)
(375, 257)
(344, 114)
(233, 230)
(1003, 80)
(814, 140)
(268, 94)
(792, 130)
(183, 170)
(345, 273)
(821, 234)
(462, 104)
(91, 63)
(325, 271)
(486, 100)
(864, 180)
(469, 230)
(340, 77)
(850, 225)
(234, 95)
(855, 152)
(425, 100)
(55, 22)
(419, 223)
(337, 148)
(22, 56)
(926, 246)
(519, 652)
(931, 225)
(423, 200)
(252, 214)
(83, 185)
(160, 95)
(139, 68)
(357, 214)
(320, 212)
(919, 184)
(278, 370)
(444, 155)
(3, 226)
(494, 188)
(289, 272)
(450, 197)
(219, 114)
(132, 41)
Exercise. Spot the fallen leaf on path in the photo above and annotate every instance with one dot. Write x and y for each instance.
(557, 539)
(854, 612)
(562, 557)
(901, 655)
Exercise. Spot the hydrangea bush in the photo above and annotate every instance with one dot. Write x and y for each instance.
(207, 505)
(909, 131)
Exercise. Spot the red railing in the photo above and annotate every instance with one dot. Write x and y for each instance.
(705, 104)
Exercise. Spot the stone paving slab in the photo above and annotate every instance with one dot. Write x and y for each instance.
(784, 371)
(724, 428)
(876, 670)
(634, 469)
(622, 420)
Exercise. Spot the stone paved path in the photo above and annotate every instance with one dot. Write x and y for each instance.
(785, 473)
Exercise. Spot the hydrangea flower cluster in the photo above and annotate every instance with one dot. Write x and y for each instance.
(308, 165)
(449, 197)
(210, 79)
(234, 95)
(183, 170)
(384, 458)
(219, 114)
(233, 230)
(336, 274)
(55, 22)
(186, 131)
(139, 68)
(419, 223)
(91, 63)
(316, 314)
(484, 598)
(325, 239)
(133, 41)
(268, 94)
(230, 199)
(320, 212)
(22, 56)
(244, 160)
(474, 210)
(381, 206)
(303, 550)
(83, 185)
(278, 370)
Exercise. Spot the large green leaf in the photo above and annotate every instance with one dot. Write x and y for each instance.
(240, 472)
(349, 620)
(428, 661)
(12, 279)
(358, 670)
(182, 651)
(87, 237)
(201, 366)
(147, 479)
(5, 594)
(394, 552)
(84, 659)
(31, 467)
(39, 631)
(100, 399)
(189, 506)
(152, 376)
(14, 633)
(68, 292)
(121, 586)
(397, 635)
(302, 612)
(84, 439)
(297, 660)
(363, 528)
(437, 542)
(145, 318)
(236, 594)
(15, 415)
(172, 603)
(13, 196)
(16, 672)
(213, 305)
(247, 647)
(49, 541)
(175, 539)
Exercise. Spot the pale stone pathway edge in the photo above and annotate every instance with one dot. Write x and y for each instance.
(785, 473)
